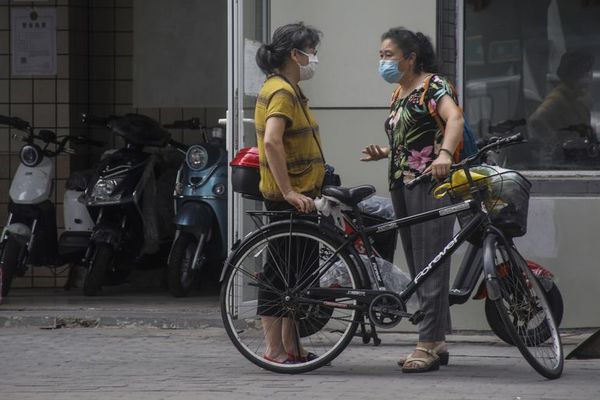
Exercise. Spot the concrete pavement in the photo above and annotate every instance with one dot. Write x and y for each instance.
(137, 346)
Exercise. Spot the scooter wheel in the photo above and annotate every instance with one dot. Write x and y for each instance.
(9, 262)
(181, 277)
(100, 263)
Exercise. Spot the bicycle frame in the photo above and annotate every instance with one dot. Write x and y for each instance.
(366, 295)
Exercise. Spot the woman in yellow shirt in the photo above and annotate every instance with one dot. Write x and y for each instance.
(291, 166)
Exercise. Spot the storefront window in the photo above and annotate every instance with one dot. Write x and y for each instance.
(537, 60)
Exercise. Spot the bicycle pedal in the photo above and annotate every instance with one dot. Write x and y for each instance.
(417, 317)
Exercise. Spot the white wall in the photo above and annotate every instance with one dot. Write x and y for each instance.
(349, 51)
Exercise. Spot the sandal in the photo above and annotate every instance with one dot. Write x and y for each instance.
(431, 363)
(286, 361)
(308, 357)
(444, 355)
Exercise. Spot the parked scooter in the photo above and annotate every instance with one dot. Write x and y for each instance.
(201, 209)
(29, 236)
(128, 201)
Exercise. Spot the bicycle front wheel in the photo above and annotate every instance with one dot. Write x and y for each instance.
(265, 305)
(524, 308)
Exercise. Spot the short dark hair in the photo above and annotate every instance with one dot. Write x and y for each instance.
(286, 38)
(574, 65)
(418, 43)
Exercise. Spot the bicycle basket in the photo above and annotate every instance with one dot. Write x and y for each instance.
(505, 195)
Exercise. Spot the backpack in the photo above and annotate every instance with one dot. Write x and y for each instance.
(468, 145)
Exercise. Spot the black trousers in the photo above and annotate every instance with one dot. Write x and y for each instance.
(286, 262)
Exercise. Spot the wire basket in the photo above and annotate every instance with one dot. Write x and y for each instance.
(505, 197)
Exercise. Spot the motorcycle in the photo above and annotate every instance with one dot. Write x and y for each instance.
(200, 209)
(29, 236)
(127, 199)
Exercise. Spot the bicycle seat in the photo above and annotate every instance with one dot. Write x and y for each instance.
(350, 196)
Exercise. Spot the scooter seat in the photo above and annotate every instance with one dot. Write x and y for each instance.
(350, 196)
(79, 180)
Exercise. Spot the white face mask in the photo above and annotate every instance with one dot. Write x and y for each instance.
(308, 71)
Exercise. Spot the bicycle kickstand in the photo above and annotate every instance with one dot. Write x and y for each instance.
(367, 335)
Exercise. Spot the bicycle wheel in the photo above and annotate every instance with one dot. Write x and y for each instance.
(524, 309)
(264, 278)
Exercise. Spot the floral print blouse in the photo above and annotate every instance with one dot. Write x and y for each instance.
(414, 136)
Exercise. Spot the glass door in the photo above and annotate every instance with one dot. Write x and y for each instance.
(247, 29)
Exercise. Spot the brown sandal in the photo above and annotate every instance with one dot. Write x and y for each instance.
(444, 355)
(430, 363)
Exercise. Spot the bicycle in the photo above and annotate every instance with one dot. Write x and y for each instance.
(326, 318)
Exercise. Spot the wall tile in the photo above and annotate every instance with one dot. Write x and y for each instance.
(123, 68)
(3, 146)
(123, 92)
(44, 91)
(102, 19)
(4, 95)
(4, 44)
(62, 17)
(23, 111)
(102, 43)
(4, 17)
(4, 67)
(124, 44)
(21, 91)
(62, 91)
(124, 19)
(62, 66)
(62, 115)
(44, 116)
(62, 42)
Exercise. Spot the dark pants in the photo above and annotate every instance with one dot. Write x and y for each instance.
(421, 243)
(287, 261)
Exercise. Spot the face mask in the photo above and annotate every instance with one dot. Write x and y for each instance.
(388, 69)
(308, 71)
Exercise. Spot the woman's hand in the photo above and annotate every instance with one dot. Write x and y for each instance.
(300, 202)
(375, 152)
(440, 167)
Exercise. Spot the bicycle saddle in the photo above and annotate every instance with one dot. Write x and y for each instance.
(350, 196)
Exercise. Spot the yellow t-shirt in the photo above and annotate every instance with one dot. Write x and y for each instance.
(305, 164)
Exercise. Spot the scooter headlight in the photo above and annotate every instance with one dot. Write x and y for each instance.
(197, 157)
(30, 155)
(103, 190)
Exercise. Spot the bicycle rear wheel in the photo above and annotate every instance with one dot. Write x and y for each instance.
(263, 278)
(524, 309)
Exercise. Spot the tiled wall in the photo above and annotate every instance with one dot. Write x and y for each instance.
(95, 67)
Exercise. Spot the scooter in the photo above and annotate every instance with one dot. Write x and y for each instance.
(201, 209)
(127, 199)
(29, 236)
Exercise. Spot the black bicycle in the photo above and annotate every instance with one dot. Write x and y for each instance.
(318, 280)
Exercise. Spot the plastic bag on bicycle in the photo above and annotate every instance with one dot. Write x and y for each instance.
(505, 196)
(394, 278)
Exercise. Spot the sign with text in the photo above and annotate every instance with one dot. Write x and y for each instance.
(33, 41)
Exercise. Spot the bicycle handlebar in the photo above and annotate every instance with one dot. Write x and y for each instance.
(507, 141)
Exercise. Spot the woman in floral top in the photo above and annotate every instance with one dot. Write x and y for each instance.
(418, 144)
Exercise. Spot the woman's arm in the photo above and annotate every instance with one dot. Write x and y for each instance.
(453, 133)
(275, 153)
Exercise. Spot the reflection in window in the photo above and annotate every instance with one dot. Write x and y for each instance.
(538, 60)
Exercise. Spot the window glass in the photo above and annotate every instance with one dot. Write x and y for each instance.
(536, 62)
